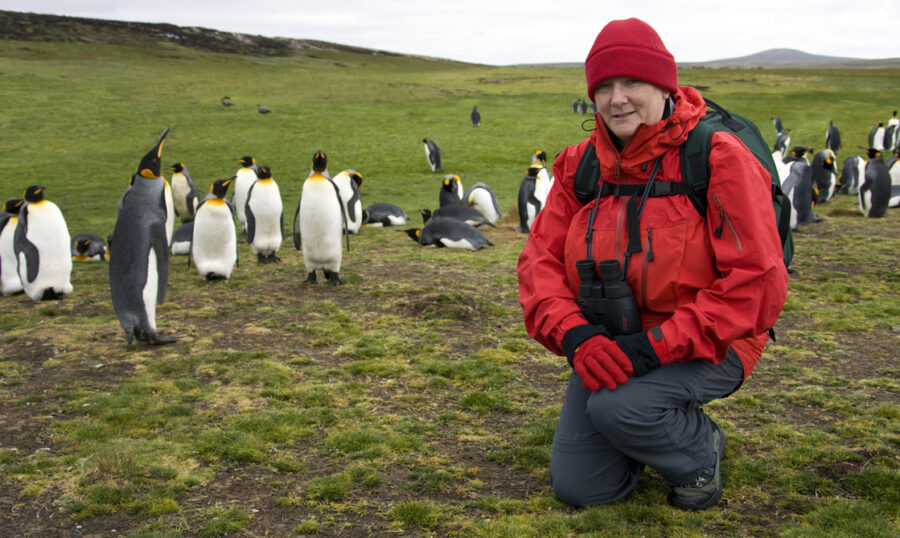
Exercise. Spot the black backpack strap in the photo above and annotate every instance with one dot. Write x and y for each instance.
(695, 165)
(587, 174)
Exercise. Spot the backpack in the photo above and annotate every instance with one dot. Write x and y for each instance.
(695, 171)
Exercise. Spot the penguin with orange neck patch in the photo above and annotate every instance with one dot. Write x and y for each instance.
(42, 248)
(139, 251)
(319, 224)
(10, 283)
(214, 242)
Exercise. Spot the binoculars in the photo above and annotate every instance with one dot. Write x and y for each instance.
(607, 300)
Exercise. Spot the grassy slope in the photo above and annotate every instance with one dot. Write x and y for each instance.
(409, 398)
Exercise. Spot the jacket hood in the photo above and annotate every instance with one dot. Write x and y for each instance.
(649, 141)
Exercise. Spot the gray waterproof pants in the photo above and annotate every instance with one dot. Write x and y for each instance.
(604, 439)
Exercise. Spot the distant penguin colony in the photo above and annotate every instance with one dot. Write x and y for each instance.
(319, 224)
(214, 241)
(139, 251)
(10, 283)
(42, 247)
(265, 217)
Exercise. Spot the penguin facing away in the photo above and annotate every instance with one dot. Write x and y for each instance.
(185, 195)
(10, 283)
(41, 243)
(244, 178)
(476, 116)
(832, 138)
(875, 191)
(214, 241)
(824, 176)
(382, 214)
(483, 199)
(348, 183)
(798, 187)
(138, 252)
(265, 217)
(433, 154)
(450, 233)
(451, 191)
(529, 206)
(319, 224)
(88, 247)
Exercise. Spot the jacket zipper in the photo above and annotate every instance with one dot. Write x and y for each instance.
(648, 257)
(725, 222)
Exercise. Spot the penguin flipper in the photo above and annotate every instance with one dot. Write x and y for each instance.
(281, 225)
(298, 240)
(26, 247)
(251, 222)
(160, 245)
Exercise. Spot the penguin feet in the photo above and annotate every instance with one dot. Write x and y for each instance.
(274, 259)
(215, 276)
(333, 277)
(310, 278)
(268, 258)
(156, 340)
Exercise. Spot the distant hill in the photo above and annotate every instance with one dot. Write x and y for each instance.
(19, 26)
(791, 58)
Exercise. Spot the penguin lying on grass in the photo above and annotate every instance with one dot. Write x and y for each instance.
(461, 212)
(483, 199)
(181, 239)
(42, 247)
(450, 233)
(88, 247)
(139, 252)
(382, 214)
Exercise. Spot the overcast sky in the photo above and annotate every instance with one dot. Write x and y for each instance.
(526, 31)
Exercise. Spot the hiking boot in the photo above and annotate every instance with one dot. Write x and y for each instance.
(706, 490)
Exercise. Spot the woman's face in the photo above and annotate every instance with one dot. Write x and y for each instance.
(625, 103)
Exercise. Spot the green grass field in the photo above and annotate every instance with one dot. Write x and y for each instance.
(410, 400)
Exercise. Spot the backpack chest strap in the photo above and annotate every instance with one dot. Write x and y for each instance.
(659, 188)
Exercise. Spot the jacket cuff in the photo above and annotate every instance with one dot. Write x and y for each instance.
(578, 335)
(638, 349)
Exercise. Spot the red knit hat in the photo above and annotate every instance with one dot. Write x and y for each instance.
(630, 48)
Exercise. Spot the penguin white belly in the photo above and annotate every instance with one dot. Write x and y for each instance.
(48, 233)
(265, 203)
(895, 185)
(170, 213)
(397, 220)
(180, 191)
(321, 226)
(242, 183)
(865, 201)
(481, 200)
(11, 283)
(214, 244)
(457, 243)
(148, 294)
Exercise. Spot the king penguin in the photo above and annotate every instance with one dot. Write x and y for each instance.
(483, 199)
(244, 178)
(10, 283)
(894, 171)
(88, 247)
(529, 205)
(433, 154)
(799, 188)
(824, 176)
(462, 212)
(214, 242)
(782, 136)
(139, 254)
(185, 195)
(265, 217)
(852, 174)
(319, 224)
(450, 233)
(382, 214)
(348, 182)
(875, 191)
(832, 138)
(181, 239)
(451, 191)
(876, 137)
(42, 247)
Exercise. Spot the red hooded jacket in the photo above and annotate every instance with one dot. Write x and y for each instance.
(704, 285)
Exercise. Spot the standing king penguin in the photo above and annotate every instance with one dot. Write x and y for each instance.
(265, 217)
(139, 254)
(10, 283)
(875, 191)
(348, 183)
(244, 178)
(319, 224)
(214, 242)
(42, 247)
(433, 154)
(185, 195)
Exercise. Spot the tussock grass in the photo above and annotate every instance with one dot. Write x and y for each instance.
(410, 399)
